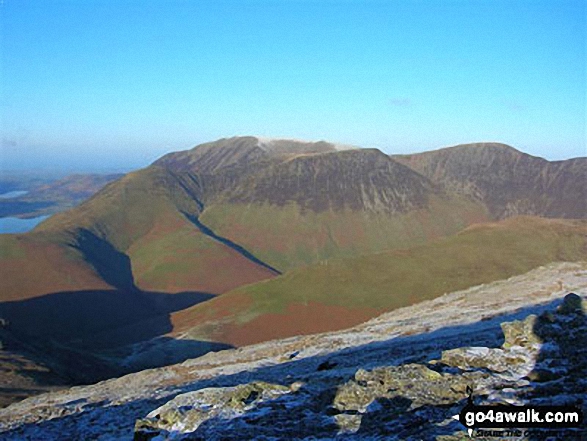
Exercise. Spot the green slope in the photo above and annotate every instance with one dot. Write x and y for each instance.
(389, 280)
(288, 237)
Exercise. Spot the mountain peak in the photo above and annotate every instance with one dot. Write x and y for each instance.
(227, 152)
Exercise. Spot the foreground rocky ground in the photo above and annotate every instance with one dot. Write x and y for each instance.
(400, 376)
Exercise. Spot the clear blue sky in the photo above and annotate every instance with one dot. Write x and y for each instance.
(116, 83)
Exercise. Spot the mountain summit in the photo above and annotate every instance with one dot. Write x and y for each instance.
(226, 152)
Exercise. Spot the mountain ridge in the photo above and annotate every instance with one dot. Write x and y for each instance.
(507, 181)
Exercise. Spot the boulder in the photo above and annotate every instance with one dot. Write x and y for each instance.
(521, 333)
(572, 303)
(187, 411)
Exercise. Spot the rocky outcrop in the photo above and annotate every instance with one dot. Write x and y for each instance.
(418, 391)
(188, 411)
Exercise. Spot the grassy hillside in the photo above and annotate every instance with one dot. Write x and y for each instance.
(176, 257)
(128, 208)
(288, 236)
(364, 286)
(136, 232)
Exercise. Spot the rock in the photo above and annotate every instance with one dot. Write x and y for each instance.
(187, 411)
(348, 423)
(415, 382)
(572, 303)
(514, 359)
(326, 365)
(293, 354)
(471, 358)
(521, 333)
(543, 375)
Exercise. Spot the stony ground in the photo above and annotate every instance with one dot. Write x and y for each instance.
(399, 376)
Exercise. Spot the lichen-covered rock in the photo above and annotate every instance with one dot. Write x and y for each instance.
(515, 358)
(515, 362)
(401, 398)
(419, 384)
(187, 411)
(521, 333)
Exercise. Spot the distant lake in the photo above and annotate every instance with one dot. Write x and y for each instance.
(16, 225)
(13, 194)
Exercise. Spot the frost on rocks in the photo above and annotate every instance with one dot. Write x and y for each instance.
(187, 411)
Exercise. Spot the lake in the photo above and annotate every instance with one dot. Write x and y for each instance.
(13, 194)
(16, 225)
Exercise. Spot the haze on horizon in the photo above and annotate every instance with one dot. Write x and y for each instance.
(114, 85)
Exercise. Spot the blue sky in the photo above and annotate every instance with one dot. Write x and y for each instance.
(116, 83)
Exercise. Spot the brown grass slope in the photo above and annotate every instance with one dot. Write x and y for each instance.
(506, 181)
(338, 293)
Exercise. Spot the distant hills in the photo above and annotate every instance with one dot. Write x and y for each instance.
(44, 195)
(245, 239)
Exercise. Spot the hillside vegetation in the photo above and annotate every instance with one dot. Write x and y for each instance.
(364, 286)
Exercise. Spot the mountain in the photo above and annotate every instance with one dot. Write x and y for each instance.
(506, 181)
(299, 203)
(229, 152)
(169, 230)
